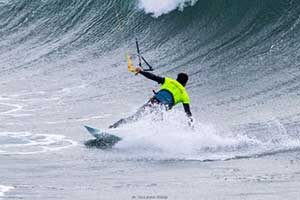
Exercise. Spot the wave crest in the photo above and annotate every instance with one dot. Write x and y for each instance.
(158, 7)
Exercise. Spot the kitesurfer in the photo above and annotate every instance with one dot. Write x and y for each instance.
(171, 93)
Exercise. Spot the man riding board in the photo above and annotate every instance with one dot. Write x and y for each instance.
(171, 93)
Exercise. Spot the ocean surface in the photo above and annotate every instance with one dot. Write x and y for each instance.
(63, 65)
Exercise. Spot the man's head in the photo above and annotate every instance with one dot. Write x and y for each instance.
(182, 78)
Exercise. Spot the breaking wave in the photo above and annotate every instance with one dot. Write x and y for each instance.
(158, 8)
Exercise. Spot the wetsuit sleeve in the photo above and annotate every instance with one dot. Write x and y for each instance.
(189, 114)
(153, 77)
(187, 109)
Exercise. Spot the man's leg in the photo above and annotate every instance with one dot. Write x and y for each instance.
(137, 115)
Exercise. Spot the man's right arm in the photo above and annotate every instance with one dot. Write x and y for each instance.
(153, 77)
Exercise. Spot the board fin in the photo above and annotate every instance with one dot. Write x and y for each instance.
(129, 63)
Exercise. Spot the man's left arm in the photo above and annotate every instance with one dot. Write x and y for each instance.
(188, 112)
(187, 109)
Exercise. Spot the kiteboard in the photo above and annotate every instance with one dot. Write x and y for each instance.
(103, 139)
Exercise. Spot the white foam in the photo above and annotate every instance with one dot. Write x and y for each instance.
(5, 189)
(14, 105)
(27, 143)
(15, 108)
(160, 7)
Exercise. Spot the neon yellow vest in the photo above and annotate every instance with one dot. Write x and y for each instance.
(177, 90)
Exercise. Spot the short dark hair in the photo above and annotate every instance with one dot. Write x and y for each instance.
(182, 78)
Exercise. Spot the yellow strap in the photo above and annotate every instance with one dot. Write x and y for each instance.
(130, 66)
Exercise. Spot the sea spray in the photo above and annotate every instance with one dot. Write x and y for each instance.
(167, 135)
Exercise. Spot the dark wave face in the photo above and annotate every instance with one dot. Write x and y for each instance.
(243, 57)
